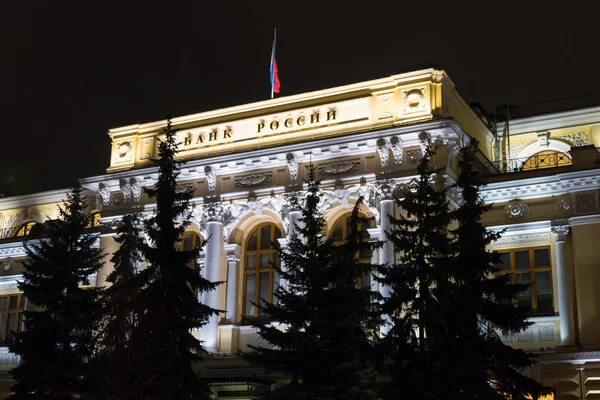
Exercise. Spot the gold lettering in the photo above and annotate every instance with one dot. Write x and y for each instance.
(301, 120)
(288, 123)
(261, 125)
(199, 140)
(188, 140)
(227, 133)
(212, 135)
(274, 125)
(331, 115)
(314, 117)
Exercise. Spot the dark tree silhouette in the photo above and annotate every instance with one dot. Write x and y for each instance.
(326, 346)
(55, 346)
(162, 344)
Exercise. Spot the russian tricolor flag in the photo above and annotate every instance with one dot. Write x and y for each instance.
(273, 72)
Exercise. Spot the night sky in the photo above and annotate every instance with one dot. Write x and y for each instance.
(70, 70)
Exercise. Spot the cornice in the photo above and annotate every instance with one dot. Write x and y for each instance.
(557, 120)
(295, 101)
(542, 186)
(33, 199)
(274, 157)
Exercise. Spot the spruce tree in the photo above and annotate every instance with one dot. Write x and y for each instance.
(326, 346)
(162, 344)
(55, 346)
(480, 306)
(114, 363)
(413, 307)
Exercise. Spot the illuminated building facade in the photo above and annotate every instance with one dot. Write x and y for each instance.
(245, 162)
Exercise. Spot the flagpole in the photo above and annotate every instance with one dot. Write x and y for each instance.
(273, 57)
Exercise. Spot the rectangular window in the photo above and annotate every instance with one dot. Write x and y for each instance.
(530, 266)
(11, 314)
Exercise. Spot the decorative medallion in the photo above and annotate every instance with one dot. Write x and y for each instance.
(515, 209)
(414, 156)
(414, 100)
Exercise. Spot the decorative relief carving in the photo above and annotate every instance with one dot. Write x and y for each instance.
(340, 167)
(385, 189)
(264, 178)
(124, 150)
(211, 179)
(414, 156)
(396, 147)
(9, 287)
(576, 139)
(7, 264)
(524, 239)
(587, 201)
(292, 164)
(118, 198)
(125, 189)
(526, 335)
(560, 232)
(515, 148)
(516, 209)
(382, 150)
(136, 189)
(546, 333)
(104, 193)
(414, 100)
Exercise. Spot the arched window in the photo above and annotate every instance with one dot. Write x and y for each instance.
(30, 228)
(340, 233)
(546, 159)
(259, 275)
(190, 241)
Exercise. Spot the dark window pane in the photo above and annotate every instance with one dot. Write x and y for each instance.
(264, 288)
(543, 283)
(542, 258)
(3, 303)
(524, 298)
(251, 262)
(265, 237)
(522, 259)
(276, 260)
(337, 235)
(13, 302)
(188, 242)
(264, 261)
(277, 233)
(504, 261)
(250, 290)
(253, 241)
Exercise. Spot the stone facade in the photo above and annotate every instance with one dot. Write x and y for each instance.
(247, 165)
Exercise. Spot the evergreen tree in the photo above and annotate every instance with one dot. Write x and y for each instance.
(413, 306)
(480, 305)
(55, 346)
(162, 344)
(114, 363)
(326, 349)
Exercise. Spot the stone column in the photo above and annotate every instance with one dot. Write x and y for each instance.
(233, 258)
(564, 276)
(387, 254)
(212, 263)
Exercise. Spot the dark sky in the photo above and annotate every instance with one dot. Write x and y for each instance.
(70, 70)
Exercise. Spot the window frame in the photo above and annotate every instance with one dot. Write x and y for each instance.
(257, 252)
(531, 270)
(4, 315)
(344, 219)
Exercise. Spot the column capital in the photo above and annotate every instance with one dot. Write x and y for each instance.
(213, 212)
(232, 250)
(560, 232)
(385, 189)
